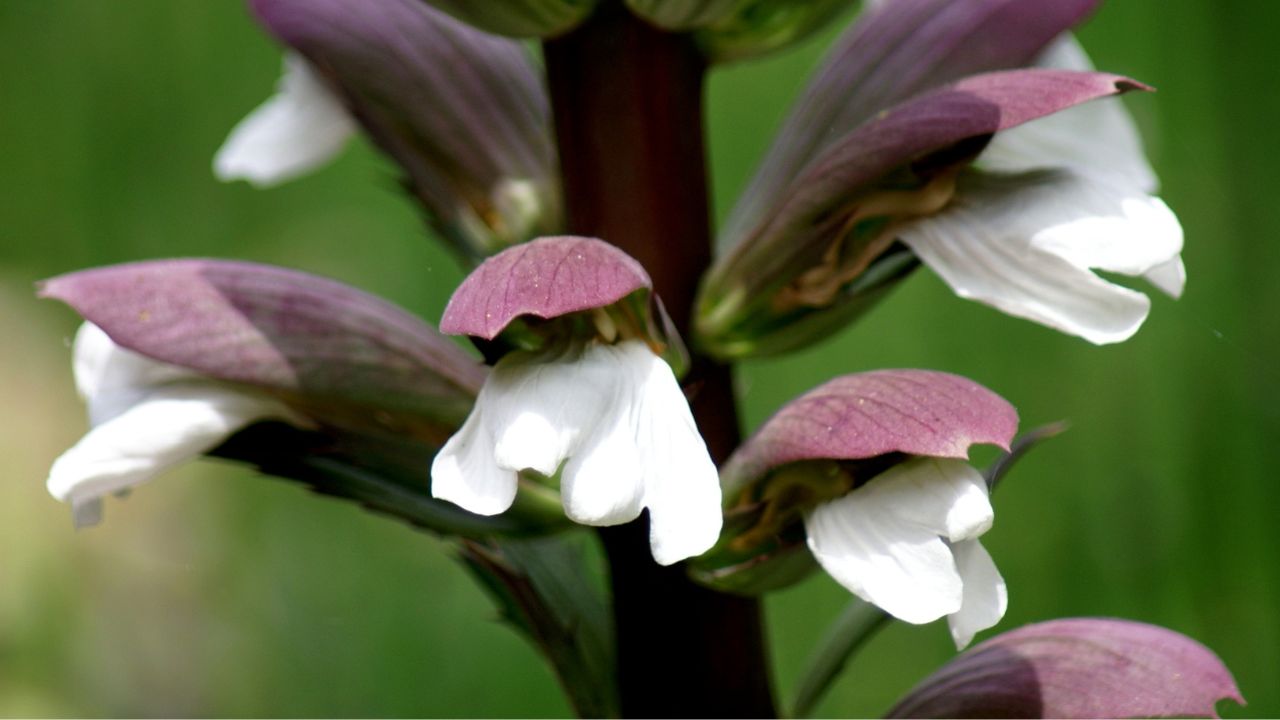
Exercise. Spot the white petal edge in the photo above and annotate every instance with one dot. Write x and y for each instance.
(943, 495)
(301, 127)
(882, 542)
(905, 569)
(169, 426)
(985, 596)
(1170, 277)
(682, 485)
(1094, 137)
(112, 379)
(545, 406)
(603, 481)
(1025, 245)
(465, 474)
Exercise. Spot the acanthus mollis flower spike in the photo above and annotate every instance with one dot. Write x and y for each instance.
(731, 30)
(519, 18)
(475, 146)
(1077, 668)
(811, 244)
(873, 467)
(179, 355)
(594, 406)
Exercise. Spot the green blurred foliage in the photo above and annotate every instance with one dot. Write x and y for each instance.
(215, 592)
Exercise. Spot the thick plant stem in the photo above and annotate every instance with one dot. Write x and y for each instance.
(627, 101)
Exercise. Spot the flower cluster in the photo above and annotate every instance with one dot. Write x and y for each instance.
(969, 136)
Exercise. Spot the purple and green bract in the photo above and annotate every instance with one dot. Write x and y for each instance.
(914, 91)
(305, 337)
(887, 57)
(463, 112)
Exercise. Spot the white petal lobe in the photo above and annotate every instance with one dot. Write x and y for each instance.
(682, 485)
(301, 127)
(1095, 137)
(171, 425)
(906, 541)
(612, 420)
(985, 595)
(905, 569)
(146, 416)
(112, 379)
(946, 496)
(1170, 277)
(463, 472)
(1025, 245)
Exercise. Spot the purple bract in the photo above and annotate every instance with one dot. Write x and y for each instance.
(1077, 668)
(547, 278)
(919, 412)
(275, 328)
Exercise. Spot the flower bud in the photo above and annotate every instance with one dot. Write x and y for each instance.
(519, 18)
(475, 146)
(732, 30)
(1076, 668)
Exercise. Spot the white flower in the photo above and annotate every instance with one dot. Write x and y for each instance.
(907, 541)
(301, 127)
(1028, 244)
(146, 417)
(613, 420)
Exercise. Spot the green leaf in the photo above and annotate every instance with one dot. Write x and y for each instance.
(546, 590)
(384, 474)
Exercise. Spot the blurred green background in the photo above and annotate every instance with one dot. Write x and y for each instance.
(215, 592)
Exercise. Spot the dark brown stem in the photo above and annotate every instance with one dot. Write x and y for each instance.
(627, 101)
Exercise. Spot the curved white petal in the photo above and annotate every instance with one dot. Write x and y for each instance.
(169, 425)
(985, 595)
(1092, 224)
(1096, 137)
(1170, 277)
(1025, 245)
(613, 421)
(886, 541)
(541, 408)
(146, 416)
(301, 127)
(904, 568)
(682, 486)
(603, 483)
(943, 495)
(465, 474)
(535, 412)
(112, 379)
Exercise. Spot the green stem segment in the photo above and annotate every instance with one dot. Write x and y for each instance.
(857, 624)
(627, 102)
